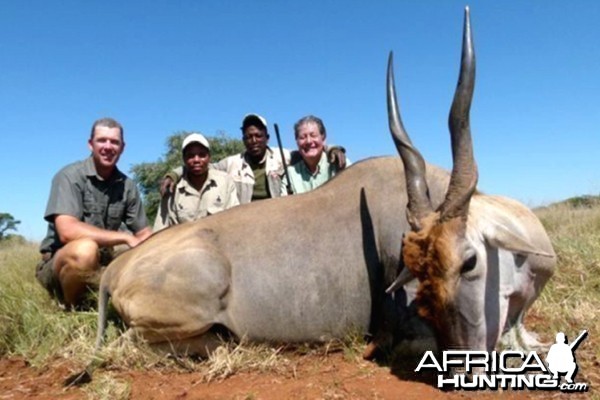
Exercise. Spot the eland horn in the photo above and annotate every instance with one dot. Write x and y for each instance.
(419, 204)
(464, 170)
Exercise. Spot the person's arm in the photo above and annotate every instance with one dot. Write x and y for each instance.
(66, 208)
(70, 228)
(221, 165)
(162, 215)
(295, 157)
(167, 185)
(232, 197)
(143, 234)
(135, 216)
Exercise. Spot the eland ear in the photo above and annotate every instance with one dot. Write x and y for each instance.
(501, 237)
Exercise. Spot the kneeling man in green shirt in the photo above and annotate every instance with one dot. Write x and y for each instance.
(90, 202)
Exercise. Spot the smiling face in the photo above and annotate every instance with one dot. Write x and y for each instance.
(196, 159)
(106, 145)
(255, 139)
(310, 141)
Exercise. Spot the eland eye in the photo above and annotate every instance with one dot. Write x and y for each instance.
(469, 264)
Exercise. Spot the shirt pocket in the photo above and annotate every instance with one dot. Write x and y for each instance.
(186, 214)
(115, 215)
(92, 212)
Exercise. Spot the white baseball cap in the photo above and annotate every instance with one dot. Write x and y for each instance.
(249, 119)
(195, 138)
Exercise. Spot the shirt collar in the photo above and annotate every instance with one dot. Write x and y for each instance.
(320, 165)
(268, 153)
(187, 186)
(89, 169)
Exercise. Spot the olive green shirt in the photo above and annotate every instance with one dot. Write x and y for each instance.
(77, 190)
(260, 190)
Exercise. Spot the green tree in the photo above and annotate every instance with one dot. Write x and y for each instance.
(149, 175)
(7, 223)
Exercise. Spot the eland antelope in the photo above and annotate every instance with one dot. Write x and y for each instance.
(312, 267)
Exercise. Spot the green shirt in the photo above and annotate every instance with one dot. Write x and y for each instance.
(261, 189)
(78, 191)
(303, 180)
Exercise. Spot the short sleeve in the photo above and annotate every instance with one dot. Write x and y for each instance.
(231, 194)
(162, 216)
(135, 217)
(66, 197)
(175, 174)
(221, 165)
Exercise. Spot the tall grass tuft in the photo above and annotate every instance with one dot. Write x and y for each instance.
(32, 325)
(232, 358)
(108, 387)
(570, 301)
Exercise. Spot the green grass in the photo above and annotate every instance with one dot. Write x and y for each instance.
(35, 328)
(31, 325)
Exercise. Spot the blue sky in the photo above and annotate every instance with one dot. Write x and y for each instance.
(166, 66)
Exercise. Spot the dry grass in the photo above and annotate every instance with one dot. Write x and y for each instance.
(33, 327)
(232, 358)
(570, 301)
(108, 387)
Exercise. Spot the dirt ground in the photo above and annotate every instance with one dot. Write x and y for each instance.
(330, 376)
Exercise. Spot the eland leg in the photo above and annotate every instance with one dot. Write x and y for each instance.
(202, 345)
(173, 300)
(516, 335)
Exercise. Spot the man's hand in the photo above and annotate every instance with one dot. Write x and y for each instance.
(295, 157)
(337, 156)
(133, 241)
(70, 228)
(142, 235)
(167, 186)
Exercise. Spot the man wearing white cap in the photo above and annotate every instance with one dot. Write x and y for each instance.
(200, 192)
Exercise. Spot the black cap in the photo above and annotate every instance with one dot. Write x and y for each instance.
(254, 119)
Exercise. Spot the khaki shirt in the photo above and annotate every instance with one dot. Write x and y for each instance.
(243, 176)
(188, 204)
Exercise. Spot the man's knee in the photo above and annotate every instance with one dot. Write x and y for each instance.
(85, 249)
(72, 270)
(81, 255)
